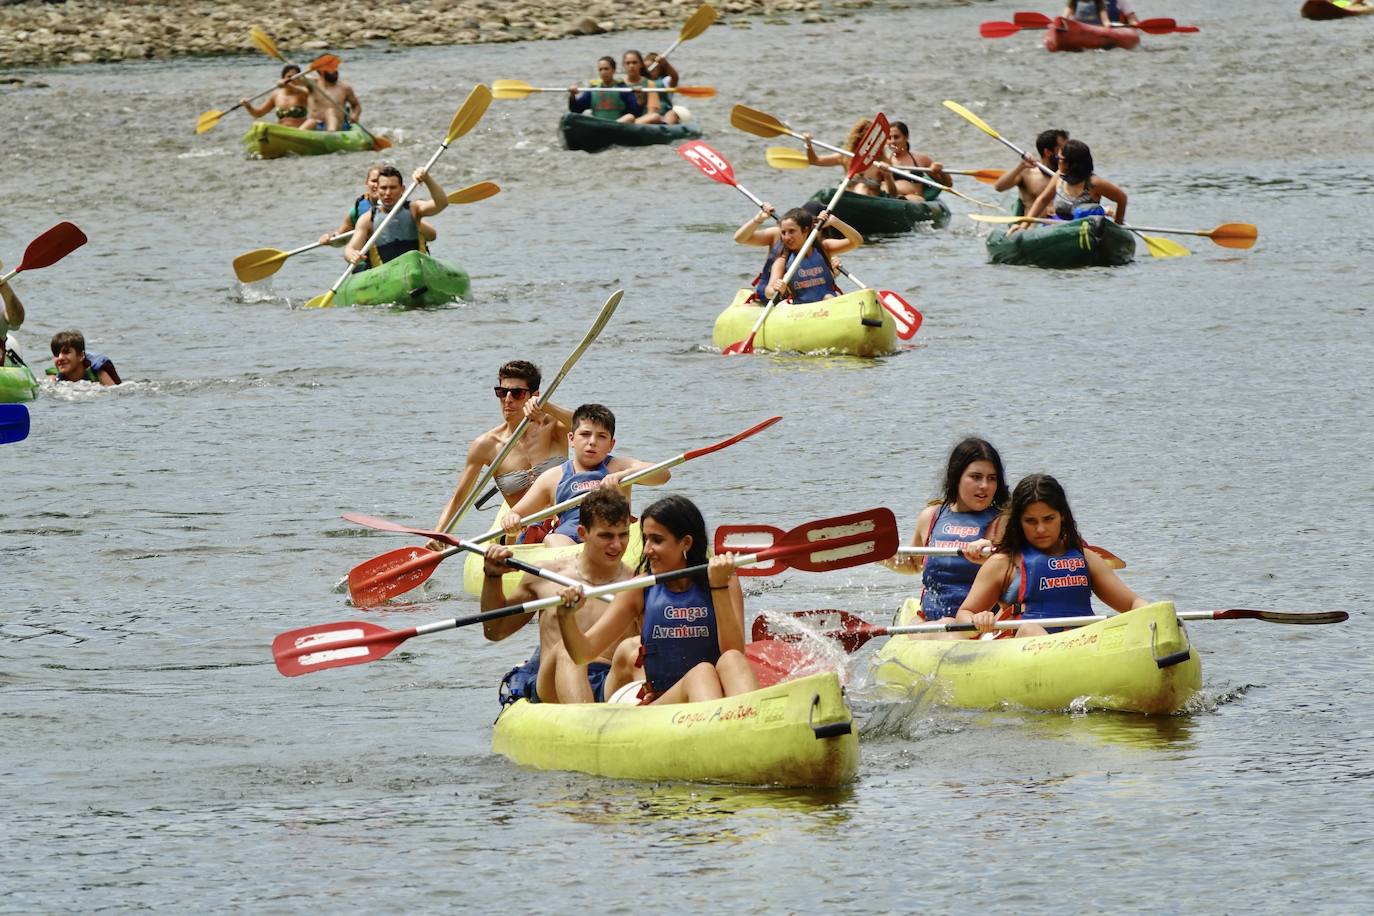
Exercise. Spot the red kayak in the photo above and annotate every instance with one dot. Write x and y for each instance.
(1072, 35)
(1325, 9)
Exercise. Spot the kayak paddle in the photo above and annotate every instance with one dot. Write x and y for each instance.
(14, 423)
(696, 23)
(1227, 235)
(210, 118)
(866, 152)
(784, 157)
(1159, 26)
(819, 546)
(716, 167)
(48, 248)
(463, 121)
(519, 89)
(261, 263)
(398, 571)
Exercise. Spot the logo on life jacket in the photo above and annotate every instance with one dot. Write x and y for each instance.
(1069, 564)
(959, 530)
(581, 486)
(683, 632)
(685, 613)
(1049, 582)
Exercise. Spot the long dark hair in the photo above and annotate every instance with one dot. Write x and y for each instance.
(680, 516)
(965, 453)
(1037, 488)
(805, 220)
(1076, 161)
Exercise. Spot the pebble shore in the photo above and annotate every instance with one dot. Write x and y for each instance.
(42, 32)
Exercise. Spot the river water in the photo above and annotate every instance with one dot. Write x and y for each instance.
(1209, 416)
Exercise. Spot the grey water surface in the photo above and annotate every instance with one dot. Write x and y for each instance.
(1210, 417)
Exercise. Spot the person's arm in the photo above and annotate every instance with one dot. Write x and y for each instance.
(661, 67)
(578, 101)
(1113, 193)
(632, 103)
(776, 273)
(606, 632)
(982, 596)
(437, 202)
(353, 251)
(539, 496)
(730, 615)
(428, 232)
(536, 410)
(108, 376)
(1012, 177)
(890, 183)
(815, 159)
(355, 106)
(472, 469)
(620, 468)
(494, 594)
(257, 112)
(1042, 202)
(851, 237)
(1108, 587)
(748, 234)
(14, 309)
(345, 226)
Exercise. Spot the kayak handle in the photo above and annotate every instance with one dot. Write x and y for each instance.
(833, 730)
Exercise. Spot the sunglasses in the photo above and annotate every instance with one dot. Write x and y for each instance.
(518, 393)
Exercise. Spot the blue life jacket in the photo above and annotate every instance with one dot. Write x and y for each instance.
(679, 633)
(813, 280)
(519, 683)
(1083, 210)
(1050, 586)
(574, 483)
(946, 580)
(360, 206)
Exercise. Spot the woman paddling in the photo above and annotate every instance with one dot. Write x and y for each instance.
(814, 280)
(1042, 567)
(968, 516)
(871, 181)
(656, 105)
(901, 156)
(1077, 191)
(692, 635)
(753, 233)
(605, 106)
(290, 100)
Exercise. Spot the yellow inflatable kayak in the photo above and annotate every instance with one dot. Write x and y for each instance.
(1140, 661)
(854, 323)
(798, 733)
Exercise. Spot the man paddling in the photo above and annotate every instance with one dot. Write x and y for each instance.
(550, 675)
(346, 108)
(404, 232)
(11, 316)
(1027, 178)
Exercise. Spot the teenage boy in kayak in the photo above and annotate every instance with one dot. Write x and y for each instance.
(406, 232)
(605, 533)
(1027, 178)
(72, 362)
(361, 204)
(592, 465)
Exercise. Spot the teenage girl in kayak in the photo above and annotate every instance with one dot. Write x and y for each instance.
(967, 515)
(1077, 191)
(1042, 567)
(900, 155)
(814, 280)
(605, 106)
(753, 233)
(290, 101)
(692, 635)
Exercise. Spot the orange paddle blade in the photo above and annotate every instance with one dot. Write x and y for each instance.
(1234, 235)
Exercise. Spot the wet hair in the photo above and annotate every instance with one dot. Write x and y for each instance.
(606, 505)
(964, 454)
(69, 338)
(1037, 488)
(901, 126)
(518, 368)
(390, 171)
(594, 413)
(856, 133)
(288, 68)
(681, 517)
(1076, 161)
(1047, 141)
(607, 59)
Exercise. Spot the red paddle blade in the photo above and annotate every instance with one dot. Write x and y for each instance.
(740, 346)
(709, 162)
(833, 543)
(870, 145)
(774, 661)
(746, 538)
(381, 524)
(907, 318)
(393, 573)
(1031, 20)
(850, 630)
(1298, 617)
(52, 246)
(333, 645)
(998, 29)
(1182, 29)
(1158, 26)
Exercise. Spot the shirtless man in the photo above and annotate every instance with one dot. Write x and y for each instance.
(591, 466)
(1027, 178)
(605, 533)
(331, 117)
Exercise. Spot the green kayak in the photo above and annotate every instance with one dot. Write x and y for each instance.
(413, 280)
(1094, 241)
(871, 215)
(17, 383)
(272, 141)
(593, 135)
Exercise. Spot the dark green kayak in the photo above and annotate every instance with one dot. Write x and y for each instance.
(592, 135)
(413, 279)
(871, 215)
(1094, 241)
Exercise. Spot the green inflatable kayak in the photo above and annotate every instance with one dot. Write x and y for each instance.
(593, 135)
(17, 383)
(272, 141)
(871, 215)
(1094, 241)
(413, 280)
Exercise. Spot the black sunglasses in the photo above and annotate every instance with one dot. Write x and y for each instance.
(518, 393)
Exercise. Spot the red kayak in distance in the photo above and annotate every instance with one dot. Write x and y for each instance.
(1325, 9)
(1072, 35)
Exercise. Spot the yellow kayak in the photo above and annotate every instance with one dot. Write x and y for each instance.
(854, 323)
(1140, 661)
(798, 733)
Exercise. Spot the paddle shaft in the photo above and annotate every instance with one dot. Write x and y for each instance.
(899, 172)
(696, 23)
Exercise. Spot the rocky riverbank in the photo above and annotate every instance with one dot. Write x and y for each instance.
(40, 32)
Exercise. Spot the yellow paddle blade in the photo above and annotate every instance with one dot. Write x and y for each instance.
(986, 176)
(321, 302)
(758, 123)
(264, 42)
(782, 157)
(258, 264)
(467, 117)
(511, 89)
(972, 118)
(1234, 235)
(473, 193)
(208, 120)
(698, 22)
(1163, 248)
